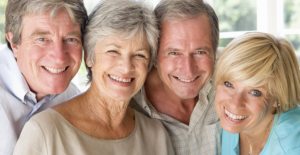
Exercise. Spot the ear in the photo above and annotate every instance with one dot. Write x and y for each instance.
(276, 104)
(155, 63)
(87, 60)
(14, 47)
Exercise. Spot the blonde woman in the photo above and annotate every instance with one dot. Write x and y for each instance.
(258, 93)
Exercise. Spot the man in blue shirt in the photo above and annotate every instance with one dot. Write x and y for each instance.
(43, 54)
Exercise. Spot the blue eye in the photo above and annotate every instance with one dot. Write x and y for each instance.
(256, 93)
(227, 84)
(71, 39)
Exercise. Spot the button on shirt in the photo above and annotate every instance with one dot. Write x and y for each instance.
(201, 136)
(18, 103)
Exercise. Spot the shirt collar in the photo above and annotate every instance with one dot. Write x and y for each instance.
(11, 75)
(153, 113)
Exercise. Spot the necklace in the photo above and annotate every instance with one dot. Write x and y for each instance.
(250, 152)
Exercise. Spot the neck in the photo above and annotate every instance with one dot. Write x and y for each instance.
(104, 109)
(260, 130)
(255, 139)
(157, 93)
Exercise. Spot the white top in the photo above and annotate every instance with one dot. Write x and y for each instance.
(49, 133)
(18, 103)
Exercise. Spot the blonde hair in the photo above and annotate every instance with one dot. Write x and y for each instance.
(262, 60)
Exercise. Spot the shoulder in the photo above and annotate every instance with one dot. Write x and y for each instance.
(149, 124)
(46, 118)
(151, 127)
(39, 131)
(291, 115)
(286, 130)
(49, 122)
(153, 135)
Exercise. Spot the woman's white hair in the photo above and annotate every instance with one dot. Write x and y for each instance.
(123, 18)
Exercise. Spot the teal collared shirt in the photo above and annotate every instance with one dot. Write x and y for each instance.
(284, 138)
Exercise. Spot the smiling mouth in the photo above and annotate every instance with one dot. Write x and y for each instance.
(183, 80)
(54, 71)
(123, 80)
(233, 117)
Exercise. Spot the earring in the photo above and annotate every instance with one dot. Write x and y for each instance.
(278, 107)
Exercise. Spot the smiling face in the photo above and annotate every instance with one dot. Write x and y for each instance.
(120, 67)
(186, 57)
(50, 52)
(242, 108)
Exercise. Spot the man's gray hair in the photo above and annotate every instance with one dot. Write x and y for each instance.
(176, 10)
(123, 18)
(17, 9)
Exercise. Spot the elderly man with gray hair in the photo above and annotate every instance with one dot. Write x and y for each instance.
(43, 54)
(179, 90)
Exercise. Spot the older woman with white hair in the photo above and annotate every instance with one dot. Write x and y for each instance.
(120, 44)
(258, 93)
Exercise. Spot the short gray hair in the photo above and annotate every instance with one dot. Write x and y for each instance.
(120, 17)
(17, 9)
(176, 10)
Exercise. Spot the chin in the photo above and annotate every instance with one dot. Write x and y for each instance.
(228, 128)
(187, 95)
(57, 90)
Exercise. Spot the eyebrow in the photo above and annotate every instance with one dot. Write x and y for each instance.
(200, 48)
(205, 48)
(172, 49)
(39, 33)
(119, 47)
(75, 33)
(113, 44)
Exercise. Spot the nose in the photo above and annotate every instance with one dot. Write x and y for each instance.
(186, 66)
(58, 52)
(125, 65)
(237, 101)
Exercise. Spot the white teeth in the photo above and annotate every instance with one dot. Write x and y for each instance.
(234, 117)
(120, 79)
(183, 80)
(55, 71)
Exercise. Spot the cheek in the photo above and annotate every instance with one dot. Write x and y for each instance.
(77, 56)
(206, 64)
(221, 95)
(141, 66)
(168, 65)
(259, 109)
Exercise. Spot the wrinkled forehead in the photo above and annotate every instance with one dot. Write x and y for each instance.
(51, 12)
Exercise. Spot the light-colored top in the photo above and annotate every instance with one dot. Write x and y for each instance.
(51, 134)
(200, 137)
(18, 103)
(284, 138)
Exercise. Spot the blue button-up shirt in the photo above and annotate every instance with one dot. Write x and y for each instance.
(18, 103)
